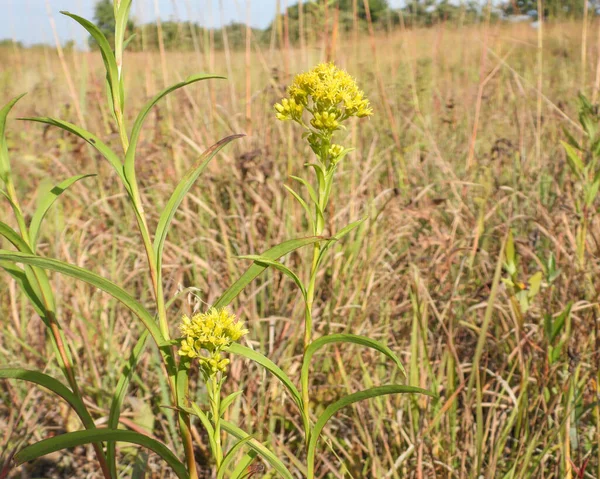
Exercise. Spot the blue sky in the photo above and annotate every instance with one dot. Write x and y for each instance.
(27, 20)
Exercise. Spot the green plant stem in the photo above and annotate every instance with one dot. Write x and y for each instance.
(155, 276)
(214, 394)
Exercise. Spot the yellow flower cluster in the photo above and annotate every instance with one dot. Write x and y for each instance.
(330, 94)
(211, 332)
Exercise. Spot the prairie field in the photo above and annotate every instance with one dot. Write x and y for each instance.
(471, 266)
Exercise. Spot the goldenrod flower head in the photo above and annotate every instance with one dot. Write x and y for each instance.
(329, 93)
(288, 109)
(335, 150)
(205, 336)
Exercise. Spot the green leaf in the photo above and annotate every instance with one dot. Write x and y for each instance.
(93, 140)
(240, 471)
(559, 323)
(311, 190)
(53, 385)
(591, 193)
(78, 438)
(236, 348)
(511, 258)
(45, 202)
(180, 191)
(13, 237)
(345, 338)
(25, 285)
(225, 403)
(346, 401)
(119, 396)
(535, 282)
(347, 229)
(571, 139)
(231, 455)
(338, 236)
(575, 162)
(108, 56)
(251, 273)
(139, 121)
(4, 162)
(261, 261)
(200, 414)
(128, 41)
(302, 203)
(93, 279)
(258, 448)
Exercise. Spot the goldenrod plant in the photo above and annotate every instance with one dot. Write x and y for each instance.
(207, 339)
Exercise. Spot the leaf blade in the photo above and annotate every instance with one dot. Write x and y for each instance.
(265, 362)
(253, 271)
(258, 448)
(351, 399)
(46, 203)
(72, 439)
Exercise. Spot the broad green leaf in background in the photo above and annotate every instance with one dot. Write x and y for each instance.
(575, 161)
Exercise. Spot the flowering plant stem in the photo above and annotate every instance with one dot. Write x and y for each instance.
(213, 385)
(155, 272)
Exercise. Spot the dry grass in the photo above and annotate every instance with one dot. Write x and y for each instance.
(420, 275)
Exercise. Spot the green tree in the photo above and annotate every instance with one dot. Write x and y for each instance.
(376, 7)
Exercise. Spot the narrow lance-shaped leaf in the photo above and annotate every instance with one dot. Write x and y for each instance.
(93, 279)
(345, 338)
(338, 236)
(346, 401)
(4, 163)
(139, 121)
(230, 456)
(181, 190)
(302, 203)
(241, 468)
(258, 448)
(251, 273)
(261, 260)
(575, 161)
(79, 438)
(270, 366)
(20, 277)
(44, 205)
(108, 56)
(92, 139)
(53, 385)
